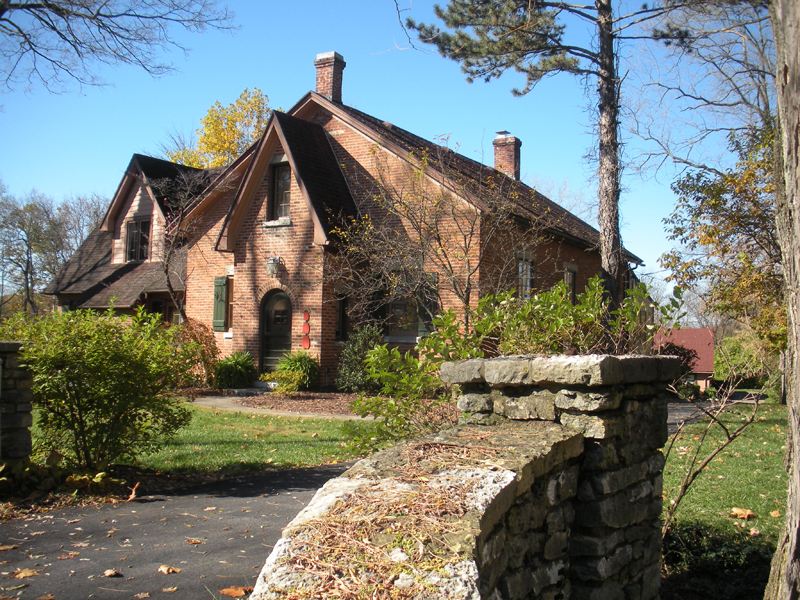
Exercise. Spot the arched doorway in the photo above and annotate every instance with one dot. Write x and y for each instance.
(276, 329)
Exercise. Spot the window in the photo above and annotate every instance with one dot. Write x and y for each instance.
(280, 196)
(524, 278)
(138, 240)
(412, 316)
(342, 322)
(571, 281)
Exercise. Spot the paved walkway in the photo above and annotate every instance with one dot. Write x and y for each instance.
(230, 403)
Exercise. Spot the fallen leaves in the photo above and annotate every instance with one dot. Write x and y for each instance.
(235, 591)
(169, 590)
(68, 555)
(742, 513)
(46, 597)
(775, 514)
(3, 547)
(111, 573)
(23, 573)
(167, 570)
(193, 542)
(141, 595)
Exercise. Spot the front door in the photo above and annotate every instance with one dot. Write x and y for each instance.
(276, 329)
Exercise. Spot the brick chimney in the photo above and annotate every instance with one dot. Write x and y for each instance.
(506, 154)
(330, 66)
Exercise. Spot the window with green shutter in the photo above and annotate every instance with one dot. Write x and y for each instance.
(220, 322)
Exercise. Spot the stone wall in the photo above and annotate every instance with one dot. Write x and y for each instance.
(551, 488)
(15, 405)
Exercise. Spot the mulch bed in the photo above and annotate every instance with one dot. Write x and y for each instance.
(329, 403)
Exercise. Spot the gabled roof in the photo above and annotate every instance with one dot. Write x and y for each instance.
(530, 204)
(314, 163)
(95, 280)
(148, 170)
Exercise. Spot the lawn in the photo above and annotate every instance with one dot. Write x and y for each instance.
(233, 442)
(708, 553)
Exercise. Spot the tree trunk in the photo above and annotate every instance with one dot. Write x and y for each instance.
(608, 170)
(784, 581)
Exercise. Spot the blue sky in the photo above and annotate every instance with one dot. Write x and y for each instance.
(81, 141)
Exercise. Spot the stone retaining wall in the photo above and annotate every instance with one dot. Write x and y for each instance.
(15, 405)
(551, 488)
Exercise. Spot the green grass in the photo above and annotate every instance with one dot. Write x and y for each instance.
(707, 553)
(748, 474)
(227, 441)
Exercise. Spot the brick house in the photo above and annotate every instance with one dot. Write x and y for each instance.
(253, 267)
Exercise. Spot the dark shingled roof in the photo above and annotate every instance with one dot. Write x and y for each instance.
(318, 169)
(530, 203)
(90, 273)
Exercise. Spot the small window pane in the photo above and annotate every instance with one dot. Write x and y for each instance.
(282, 192)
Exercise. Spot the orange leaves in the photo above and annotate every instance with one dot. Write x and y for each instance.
(742, 513)
(236, 591)
(167, 570)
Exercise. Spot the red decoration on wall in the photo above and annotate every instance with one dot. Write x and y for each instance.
(306, 316)
(306, 342)
(306, 328)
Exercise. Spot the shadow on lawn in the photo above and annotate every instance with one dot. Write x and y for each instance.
(701, 563)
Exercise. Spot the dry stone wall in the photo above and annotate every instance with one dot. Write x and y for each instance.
(550, 488)
(15, 404)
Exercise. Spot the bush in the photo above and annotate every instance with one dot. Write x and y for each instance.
(303, 364)
(351, 373)
(99, 382)
(285, 382)
(234, 371)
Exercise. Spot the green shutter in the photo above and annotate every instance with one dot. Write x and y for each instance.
(220, 303)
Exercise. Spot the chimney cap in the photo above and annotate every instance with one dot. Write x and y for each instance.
(502, 133)
(326, 55)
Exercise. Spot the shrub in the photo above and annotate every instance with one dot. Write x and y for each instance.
(234, 371)
(285, 382)
(302, 363)
(100, 382)
(351, 372)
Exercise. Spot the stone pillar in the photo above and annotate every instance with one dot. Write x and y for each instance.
(15, 405)
(619, 405)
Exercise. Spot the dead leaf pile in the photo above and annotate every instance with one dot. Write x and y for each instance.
(236, 591)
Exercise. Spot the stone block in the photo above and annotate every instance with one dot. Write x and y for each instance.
(597, 543)
(600, 455)
(463, 371)
(651, 581)
(16, 443)
(598, 427)
(556, 545)
(518, 546)
(641, 390)
(547, 575)
(21, 420)
(612, 511)
(479, 419)
(562, 486)
(610, 482)
(517, 585)
(593, 401)
(475, 403)
(491, 549)
(640, 491)
(24, 382)
(538, 405)
(15, 395)
(600, 569)
(608, 590)
(508, 371)
(24, 407)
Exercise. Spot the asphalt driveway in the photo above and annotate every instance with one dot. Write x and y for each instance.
(213, 536)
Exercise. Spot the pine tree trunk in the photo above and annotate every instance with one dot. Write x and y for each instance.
(608, 169)
(784, 581)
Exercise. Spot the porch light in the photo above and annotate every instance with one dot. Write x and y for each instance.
(273, 265)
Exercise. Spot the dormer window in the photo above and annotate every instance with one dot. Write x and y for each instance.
(138, 240)
(280, 196)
